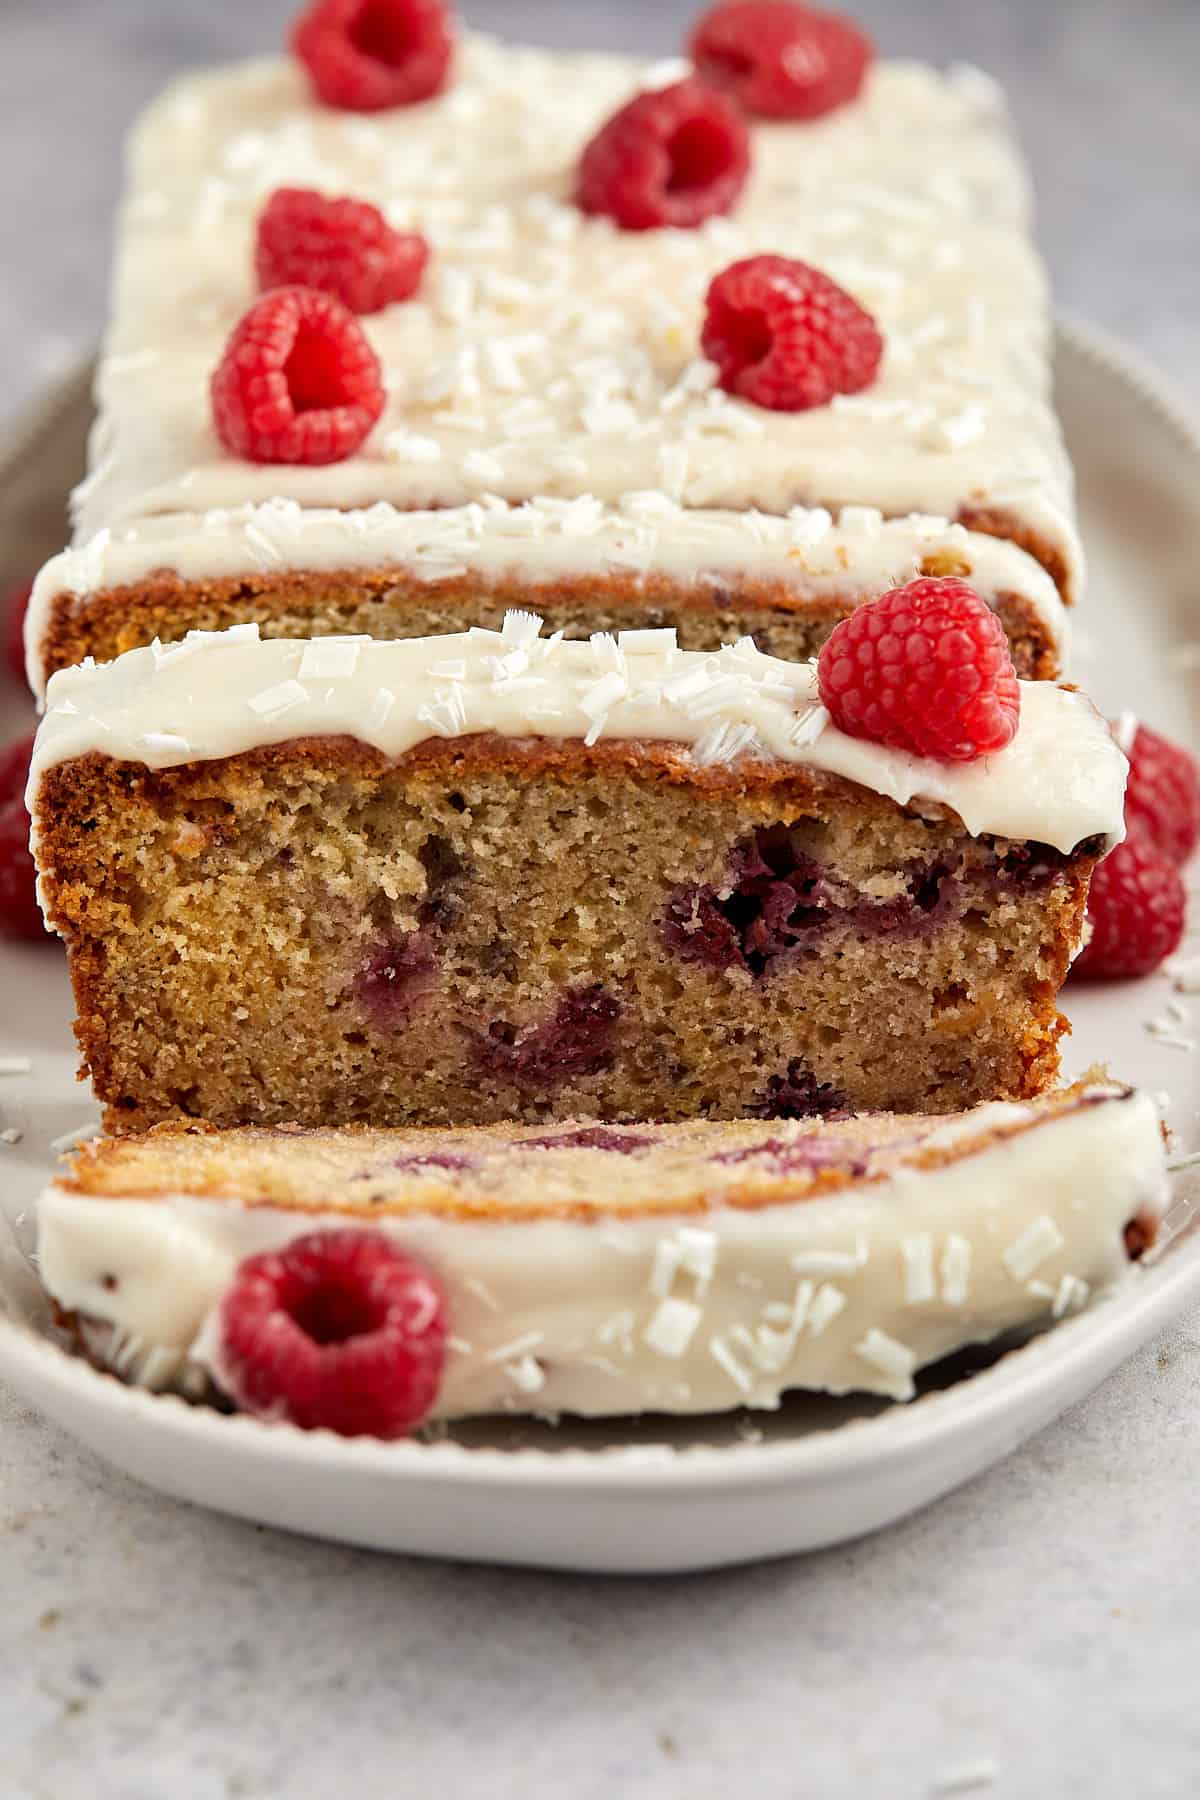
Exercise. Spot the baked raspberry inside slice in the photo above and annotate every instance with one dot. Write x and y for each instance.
(1136, 910)
(298, 382)
(338, 1330)
(786, 337)
(369, 55)
(1162, 800)
(925, 669)
(672, 157)
(781, 60)
(342, 247)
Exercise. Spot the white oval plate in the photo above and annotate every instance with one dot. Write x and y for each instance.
(659, 1494)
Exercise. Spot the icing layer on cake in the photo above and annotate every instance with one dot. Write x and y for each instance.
(551, 354)
(600, 1311)
(807, 552)
(219, 694)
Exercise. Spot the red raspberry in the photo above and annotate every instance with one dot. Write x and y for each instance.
(298, 382)
(20, 914)
(674, 156)
(1136, 910)
(342, 247)
(785, 336)
(14, 769)
(339, 1330)
(14, 607)
(1162, 800)
(926, 669)
(368, 55)
(780, 60)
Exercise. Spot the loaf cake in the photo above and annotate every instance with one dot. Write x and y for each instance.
(592, 1269)
(497, 876)
(548, 354)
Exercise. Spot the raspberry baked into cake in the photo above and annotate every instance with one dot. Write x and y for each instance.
(497, 876)
(368, 1280)
(715, 348)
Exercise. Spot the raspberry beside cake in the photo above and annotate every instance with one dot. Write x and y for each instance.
(493, 876)
(591, 1270)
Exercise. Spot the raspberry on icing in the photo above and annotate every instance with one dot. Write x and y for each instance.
(784, 336)
(1136, 909)
(675, 156)
(13, 608)
(20, 914)
(926, 669)
(369, 55)
(781, 60)
(1162, 800)
(298, 382)
(338, 1330)
(342, 247)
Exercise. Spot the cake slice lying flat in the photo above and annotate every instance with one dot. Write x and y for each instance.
(584, 566)
(598, 1270)
(494, 876)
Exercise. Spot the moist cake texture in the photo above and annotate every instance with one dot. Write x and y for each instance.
(599, 1269)
(496, 877)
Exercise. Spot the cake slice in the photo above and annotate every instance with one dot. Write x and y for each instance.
(643, 563)
(549, 354)
(495, 876)
(594, 1269)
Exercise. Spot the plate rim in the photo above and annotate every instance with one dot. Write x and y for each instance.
(1147, 1302)
(1144, 1305)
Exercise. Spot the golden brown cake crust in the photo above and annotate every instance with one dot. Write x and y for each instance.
(234, 1165)
(298, 852)
(390, 603)
(996, 521)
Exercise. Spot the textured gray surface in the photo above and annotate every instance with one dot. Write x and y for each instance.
(1047, 1618)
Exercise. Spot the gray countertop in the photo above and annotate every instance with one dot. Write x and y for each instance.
(1043, 1620)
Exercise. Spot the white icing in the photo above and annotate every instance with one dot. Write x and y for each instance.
(544, 541)
(554, 1315)
(549, 353)
(219, 694)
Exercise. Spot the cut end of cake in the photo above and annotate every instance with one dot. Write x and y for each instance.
(602, 1270)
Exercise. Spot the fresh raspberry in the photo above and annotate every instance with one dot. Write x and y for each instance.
(926, 669)
(20, 914)
(14, 769)
(342, 247)
(1136, 909)
(339, 1330)
(674, 156)
(14, 607)
(780, 60)
(368, 55)
(785, 336)
(1162, 800)
(298, 382)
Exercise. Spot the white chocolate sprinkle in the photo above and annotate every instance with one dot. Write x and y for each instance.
(956, 1270)
(893, 1359)
(827, 1303)
(672, 1326)
(1040, 1239)
(917, 1253)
